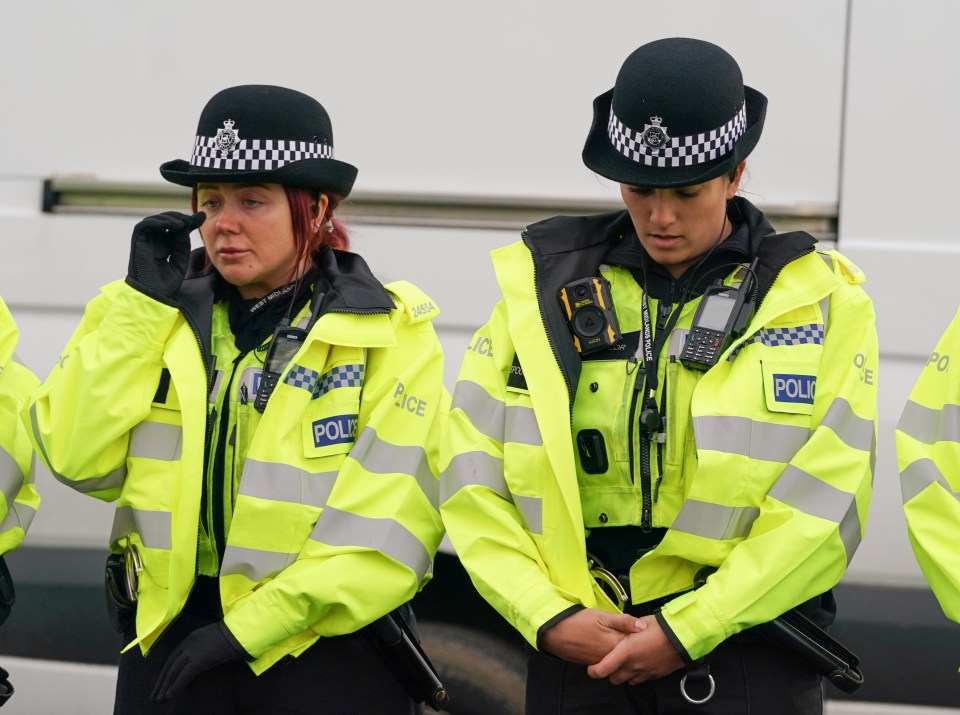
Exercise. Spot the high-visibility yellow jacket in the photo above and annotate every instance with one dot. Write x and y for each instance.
(928, 452)
(20, 498)
(778, 494)
(335, 522)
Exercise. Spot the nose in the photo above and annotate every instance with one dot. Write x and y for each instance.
(662, 211)
(226, 219)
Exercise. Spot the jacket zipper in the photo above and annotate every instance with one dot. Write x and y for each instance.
(217, 496)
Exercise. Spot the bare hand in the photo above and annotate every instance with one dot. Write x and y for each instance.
(589, 635)
(638, 657)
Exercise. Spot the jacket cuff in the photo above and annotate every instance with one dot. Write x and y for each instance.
(234, 643)
(542, 631)
(674, 641)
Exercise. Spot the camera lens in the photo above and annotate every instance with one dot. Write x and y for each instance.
(588, 322)
(580, 291)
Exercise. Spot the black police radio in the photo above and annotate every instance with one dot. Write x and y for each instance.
(588, 308)
(722, 315)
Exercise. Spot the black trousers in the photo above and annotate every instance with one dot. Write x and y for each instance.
(751, 677)
(335, 676)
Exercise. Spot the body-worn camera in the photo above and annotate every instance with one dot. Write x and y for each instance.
(588, 308)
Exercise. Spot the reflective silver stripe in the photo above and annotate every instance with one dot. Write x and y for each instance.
(493, 418)
(531, 509)
(810, 495)
(919, 475)
(825, 311)
(750, 438)
(153, 526)
(381, 457)
(112, 480)
(928, 425)
(341, 528)
(521, 426)
(255, 564)
(18, 515)
(283, 482)
(715, 521)
(484, 411)
(215, 389)
(850, 530)
(855, 431)
(11, 478)
(156, 440)
(473, 469)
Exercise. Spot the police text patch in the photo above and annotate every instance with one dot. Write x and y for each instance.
(334, 430)
(794, 388)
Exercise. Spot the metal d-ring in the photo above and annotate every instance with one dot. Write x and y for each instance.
(694, 701)
(133, 567)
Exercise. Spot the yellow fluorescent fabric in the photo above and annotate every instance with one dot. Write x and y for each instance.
(19, 501)
(335, 520)
(928, 453)
(775, 493)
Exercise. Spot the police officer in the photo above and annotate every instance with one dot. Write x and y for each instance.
(928, 452)
(20, 498)
(266, 416)
(636, 486)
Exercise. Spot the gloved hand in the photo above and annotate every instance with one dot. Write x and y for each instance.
(159, 253)
(6, 690)
(202, 650)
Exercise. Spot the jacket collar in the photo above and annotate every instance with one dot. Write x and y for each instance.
(349, 287)
(567, 248)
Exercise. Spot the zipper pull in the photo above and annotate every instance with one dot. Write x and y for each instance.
(664, 309)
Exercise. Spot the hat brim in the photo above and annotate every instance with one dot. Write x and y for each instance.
(602, 157)
(331, 175)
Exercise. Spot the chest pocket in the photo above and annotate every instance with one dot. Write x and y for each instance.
(331, 419)
(789, 386)
(600, 415)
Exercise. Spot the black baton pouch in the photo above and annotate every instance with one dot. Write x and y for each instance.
(7, 594)
(121, 610)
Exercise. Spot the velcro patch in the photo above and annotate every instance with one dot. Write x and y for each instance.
(794, 388)
(334, 430)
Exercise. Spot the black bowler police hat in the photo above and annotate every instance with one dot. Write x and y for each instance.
(263, 134)
(679, 114)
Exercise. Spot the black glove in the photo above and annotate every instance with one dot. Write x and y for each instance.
(159, 253)
(202, 650)
(6, 690)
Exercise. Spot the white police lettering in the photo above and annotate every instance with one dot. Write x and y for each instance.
(410, 403)
(794, 388)
(516, 370)
(482, 346)
(942, 362)
(334, 430)
(866, 373)
(418, 311)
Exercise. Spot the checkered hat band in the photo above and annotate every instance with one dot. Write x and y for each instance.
(255, 154)
(678, 151)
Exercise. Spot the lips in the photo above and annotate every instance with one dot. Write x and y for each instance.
(663, 240)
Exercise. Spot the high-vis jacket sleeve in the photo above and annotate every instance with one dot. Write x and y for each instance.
(810, 523)
(494, 531)
(83, 416)
(373, 544)
(928, 453)
(20, 500)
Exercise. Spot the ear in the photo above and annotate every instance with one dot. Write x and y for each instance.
(734, 184)
(320, 208)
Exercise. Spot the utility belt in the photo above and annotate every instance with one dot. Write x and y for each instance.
(792, 630)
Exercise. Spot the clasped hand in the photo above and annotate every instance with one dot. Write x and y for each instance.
(616, 646)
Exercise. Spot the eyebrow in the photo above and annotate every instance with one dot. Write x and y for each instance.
(214, 187)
